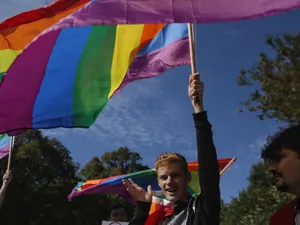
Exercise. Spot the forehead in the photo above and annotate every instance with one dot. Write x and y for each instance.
(170, 168)
(284, 152)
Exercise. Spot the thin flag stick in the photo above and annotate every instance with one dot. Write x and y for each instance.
(191, 31)
(227, 166)
(12, 142)
(192, 45)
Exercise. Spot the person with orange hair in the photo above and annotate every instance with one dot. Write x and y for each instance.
(173, 177)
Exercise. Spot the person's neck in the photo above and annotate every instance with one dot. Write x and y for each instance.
(296, 191)
(185, 198)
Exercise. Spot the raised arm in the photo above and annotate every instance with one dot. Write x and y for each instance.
(208, 203)
(143, 199)
(6, 180)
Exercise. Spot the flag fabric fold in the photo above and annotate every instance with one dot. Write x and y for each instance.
(174, 11)
(4, 145)
(143, 178)
(64, 78)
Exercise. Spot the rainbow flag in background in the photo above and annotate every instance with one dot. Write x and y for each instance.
(4, 145)
(143, 178)
(65, 77)
(18, 31)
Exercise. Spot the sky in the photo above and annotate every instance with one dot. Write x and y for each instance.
(155, 115)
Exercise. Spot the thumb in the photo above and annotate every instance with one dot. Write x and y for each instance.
(149, 189)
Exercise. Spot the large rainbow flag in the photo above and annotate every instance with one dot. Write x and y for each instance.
(65, 77)
(4, 145)
(143, 178)
(18, 31)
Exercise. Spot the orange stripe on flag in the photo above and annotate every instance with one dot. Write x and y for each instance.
(18, 31)
(150, 31)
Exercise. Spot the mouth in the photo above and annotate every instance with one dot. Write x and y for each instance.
(171, 190)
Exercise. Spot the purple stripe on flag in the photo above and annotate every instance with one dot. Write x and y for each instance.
(104, 12)
(157, 62)
(109, 188)
(22, 119)
(4, 151)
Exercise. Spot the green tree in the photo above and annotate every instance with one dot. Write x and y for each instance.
(275, 80)
(122, 161)
(255, 204)
(93, 169)
(43, 176)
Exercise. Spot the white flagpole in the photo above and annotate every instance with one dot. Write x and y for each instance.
(192, 45)
(12, 142)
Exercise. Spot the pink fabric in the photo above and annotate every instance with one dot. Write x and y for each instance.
(107, 12)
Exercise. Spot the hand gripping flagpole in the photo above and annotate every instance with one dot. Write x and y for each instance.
(12, 142)
(192, 44)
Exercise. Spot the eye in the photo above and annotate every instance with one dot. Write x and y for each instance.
(163, 177)
(276, 158)
(175, 175)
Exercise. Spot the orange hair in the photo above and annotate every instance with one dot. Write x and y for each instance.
(171, 157)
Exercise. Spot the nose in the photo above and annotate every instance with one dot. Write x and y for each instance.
(170, 180)
(272, 168)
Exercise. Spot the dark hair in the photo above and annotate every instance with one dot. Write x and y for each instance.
(116, 206)
(285, 138)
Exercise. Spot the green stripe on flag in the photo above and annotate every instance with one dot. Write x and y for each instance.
(1, 76)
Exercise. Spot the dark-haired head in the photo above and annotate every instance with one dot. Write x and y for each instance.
(117, 212)
(282, 154)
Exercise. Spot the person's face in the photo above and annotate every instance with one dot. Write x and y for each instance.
(285, 168)
(118, 215)
(173, 181)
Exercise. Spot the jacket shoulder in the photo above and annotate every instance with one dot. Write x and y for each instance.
(284, 213)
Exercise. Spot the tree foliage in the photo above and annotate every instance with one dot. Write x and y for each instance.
(275, 80)
(255, 204)
(122, 161)
(94, 169)
(117, 162)
(44, 174)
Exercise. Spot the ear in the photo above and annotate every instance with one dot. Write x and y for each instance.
(189, 177)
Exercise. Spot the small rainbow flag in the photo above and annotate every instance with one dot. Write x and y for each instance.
(143, 178)
(4, 145)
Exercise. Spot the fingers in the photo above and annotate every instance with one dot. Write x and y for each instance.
(195, 80)
(196, 76)
(193, 77)
(132, 182)
(133, 189)
(196, 87)
(126, 183)
(7, 175)
(130, 185)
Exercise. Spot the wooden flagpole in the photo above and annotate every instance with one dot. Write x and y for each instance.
(12, 142)
(192, 45)
(227, 166)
